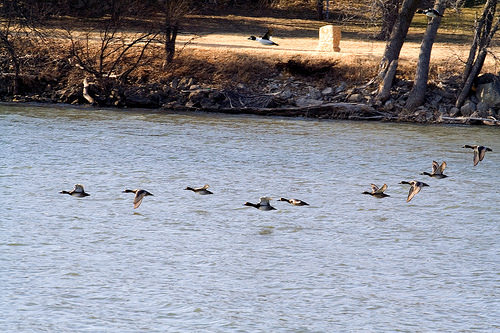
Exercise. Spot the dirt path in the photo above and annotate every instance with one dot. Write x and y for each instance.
(300, 37)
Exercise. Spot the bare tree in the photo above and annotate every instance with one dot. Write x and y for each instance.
(109, 52)
(389, 12)
(417, 93)
(393, 48)
(174, 11)
(18, 30)
(485, 30)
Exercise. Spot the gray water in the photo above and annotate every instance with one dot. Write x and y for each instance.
(183, 262)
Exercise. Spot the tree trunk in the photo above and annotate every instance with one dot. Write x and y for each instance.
(170, 36)
(488, 12)
(417, 93)
(385, 86)
(319, 9)
(395, 43)
(483, 35)
(476, 68)
(390, 9)
(5, 40)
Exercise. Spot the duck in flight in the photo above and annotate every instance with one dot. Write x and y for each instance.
(200, 190)
(139, 195)
(479, 152)
(437, 170)
(266, 39)
(262, 205)
(377, 192)
(430, 12)
(295, 202)
(77, 191)
(416, 186)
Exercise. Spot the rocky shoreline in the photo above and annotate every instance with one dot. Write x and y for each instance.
(282, 96)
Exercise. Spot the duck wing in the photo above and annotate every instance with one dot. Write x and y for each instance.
(382, 189)
(442, 167)
(78, 188)
(264, 201)
(139, 195)
(414, 189)
(476, 156)
(482, 152)
(374, 188)
(435, 167)
(268, 34)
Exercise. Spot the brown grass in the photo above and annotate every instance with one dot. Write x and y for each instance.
(216, 52)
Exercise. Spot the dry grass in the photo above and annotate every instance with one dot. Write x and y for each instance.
(215, 51)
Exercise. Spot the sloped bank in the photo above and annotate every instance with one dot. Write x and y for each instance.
(282, 96)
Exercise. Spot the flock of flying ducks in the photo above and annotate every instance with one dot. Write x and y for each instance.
(437, 172)
(263, 204)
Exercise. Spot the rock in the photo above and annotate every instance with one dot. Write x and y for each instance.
(488, 90)
(389, 105)
(196, 97)
(216, 96)
(340, 88)
(435, 101)
(478, 114)
(304, 101)
(185, 82)
(454, 111)
(175, 83)
(354, 98)
(285, 94)
(207, 103)
(482, 108)
(327, 91)
(138, 100)
(314, 93)
(467, 109)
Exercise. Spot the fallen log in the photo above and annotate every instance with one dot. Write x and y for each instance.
(324, 111)
(465, 120)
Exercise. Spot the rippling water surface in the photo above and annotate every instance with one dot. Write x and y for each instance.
(182, 262)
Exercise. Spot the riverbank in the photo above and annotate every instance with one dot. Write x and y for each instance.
(236, 75)
(295, 88)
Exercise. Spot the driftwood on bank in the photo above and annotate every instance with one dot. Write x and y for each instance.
(468, 120)
(86, 94)
(352, 111)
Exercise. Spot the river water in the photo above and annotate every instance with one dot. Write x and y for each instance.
(183, 262)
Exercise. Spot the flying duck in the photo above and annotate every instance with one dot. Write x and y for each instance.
(430, 12)
(437, 170)
(295, 202)
(416, 186)
(266, 39)
(77, 191)
(377, 192)
(262, 205)
(139, 195)
(200, 190)
(479, 152)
